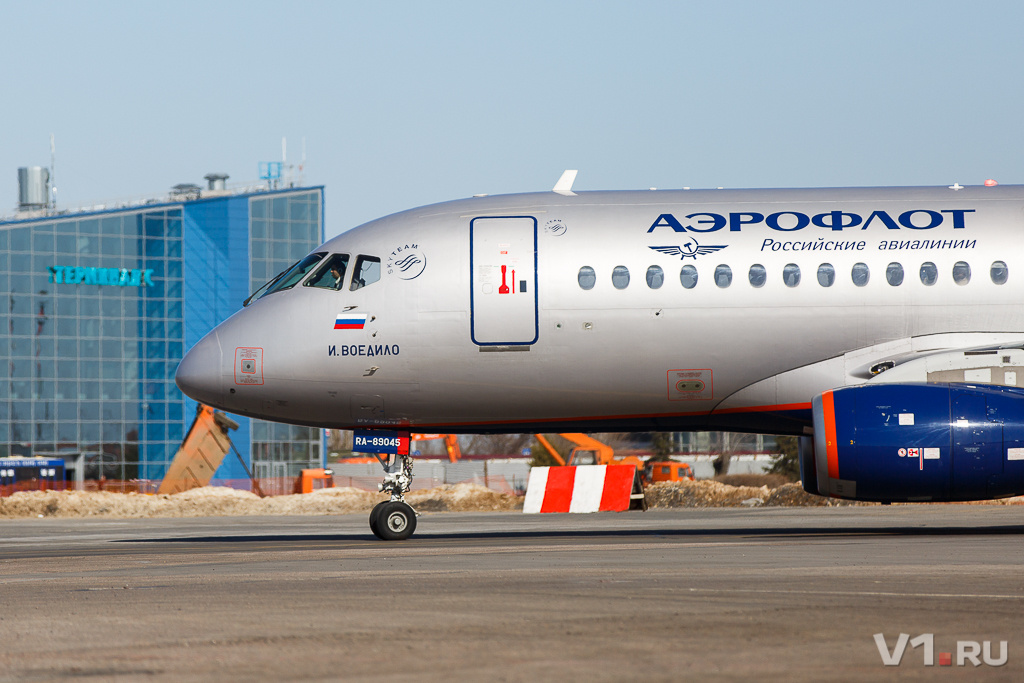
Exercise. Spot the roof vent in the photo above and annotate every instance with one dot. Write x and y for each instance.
(33, 188)
(216, 181)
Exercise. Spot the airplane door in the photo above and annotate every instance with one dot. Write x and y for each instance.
(503, 280)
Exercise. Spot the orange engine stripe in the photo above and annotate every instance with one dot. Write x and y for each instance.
(831, 447)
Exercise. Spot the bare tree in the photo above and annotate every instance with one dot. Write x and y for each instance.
(495, 444)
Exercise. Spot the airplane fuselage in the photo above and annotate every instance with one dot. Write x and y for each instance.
(623, 310)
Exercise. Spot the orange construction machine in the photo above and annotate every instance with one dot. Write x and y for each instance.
(202, 452)
(313, 480)
(590, 451)
(451, 443)
(668, 470)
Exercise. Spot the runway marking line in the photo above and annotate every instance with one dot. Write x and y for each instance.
(882, 594)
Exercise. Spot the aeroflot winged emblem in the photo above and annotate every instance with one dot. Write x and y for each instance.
(689, 249)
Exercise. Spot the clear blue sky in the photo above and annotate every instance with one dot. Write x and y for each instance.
(408, 103)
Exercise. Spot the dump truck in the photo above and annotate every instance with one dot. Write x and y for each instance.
(201, 453)
(667, 470)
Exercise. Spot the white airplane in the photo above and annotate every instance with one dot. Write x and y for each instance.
(883, 325)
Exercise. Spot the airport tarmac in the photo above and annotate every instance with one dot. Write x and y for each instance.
(710, 594)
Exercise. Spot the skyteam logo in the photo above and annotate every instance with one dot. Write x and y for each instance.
(555, 227)
(407, 262)
(689, 249)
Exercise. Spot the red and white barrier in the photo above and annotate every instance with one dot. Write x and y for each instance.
(590, 488)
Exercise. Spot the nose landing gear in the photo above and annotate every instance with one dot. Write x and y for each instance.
(394, 520)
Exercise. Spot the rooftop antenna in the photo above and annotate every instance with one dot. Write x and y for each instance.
(302, 164)
(53, 170)
(287, 174)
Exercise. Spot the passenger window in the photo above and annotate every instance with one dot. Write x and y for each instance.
(826, 275)
(655, 277)
(894, 274)
(999, 273)
(961, 273)
(367, 272)
(791, 275)
(620, 277)
(757, 275)
(688, 277)
(929, 274)
(860, 274)
(723, 276)
(586, 277)
(331, 274)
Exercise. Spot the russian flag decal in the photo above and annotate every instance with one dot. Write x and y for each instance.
(350, 321)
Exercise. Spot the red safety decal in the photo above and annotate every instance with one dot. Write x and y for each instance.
(558, 493)
(618, 485)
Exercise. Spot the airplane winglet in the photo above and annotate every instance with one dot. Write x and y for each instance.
(564, 184)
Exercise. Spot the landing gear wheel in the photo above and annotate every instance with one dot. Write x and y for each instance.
(374, 515)
(395, 521)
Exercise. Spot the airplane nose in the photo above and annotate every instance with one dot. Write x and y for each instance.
(199, 372)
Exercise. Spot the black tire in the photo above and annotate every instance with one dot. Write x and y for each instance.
(374, 515)
(395, 521)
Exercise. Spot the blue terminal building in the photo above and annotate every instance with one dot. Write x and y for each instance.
(102, 304)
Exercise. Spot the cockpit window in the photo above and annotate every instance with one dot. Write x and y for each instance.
(263, 288)
(330, 274)
(286, 278)
(293, 275)
(367, 271)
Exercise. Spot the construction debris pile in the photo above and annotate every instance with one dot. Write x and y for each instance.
(464, 497)
(218, 501)
(707, 493)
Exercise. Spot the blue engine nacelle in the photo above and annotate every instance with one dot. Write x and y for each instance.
(916, 442)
